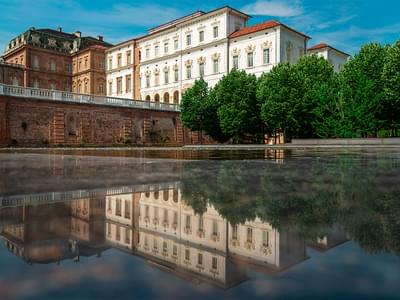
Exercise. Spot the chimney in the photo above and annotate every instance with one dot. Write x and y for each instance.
(59, 29)
(78, 34)
(100, 37)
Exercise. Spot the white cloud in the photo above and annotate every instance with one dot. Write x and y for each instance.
(278, 8)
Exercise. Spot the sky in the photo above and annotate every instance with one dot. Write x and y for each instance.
(344, 24)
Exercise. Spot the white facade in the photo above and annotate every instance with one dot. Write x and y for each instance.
(120, 61)
(335, 57)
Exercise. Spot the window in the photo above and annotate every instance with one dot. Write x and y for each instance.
(187, 254)
(188, 72)
(101, 64)
(118, 233)
(156, 212)
(36, 84)
(165, 246)
(166, 100)
(118, 207)
(200, 259)
(165, 216)
(155, 243)
(127, 235)
(146, 241)
(215, 32)
(216, 66)
(35, 62)
(166, 77)
(128, 83)
(201, 36)
(266, 56)
(53, 65)
(119, 60)
(86, 62)
(86, 89)
(101, 88)
(250, 60)
(215, 228)
(176, 44)
(165, 48)
(147, 53)
(147, 211)
(79, 65)
(110, 87)
(175, 250)
(128, 57)
(156, 83)
(249, 235)
(235, 62)
(176, 75)
(156, 50)
(214, 263)
(147, 81)
(235, 232)
(201, 223)
(68, 67)
(127, 209)
(175, 217)
(201, 70)
(188, 222)
(265, 237)
(108, 229)
(188, 40)
(119, 85)
(52, 86)
(110, 63)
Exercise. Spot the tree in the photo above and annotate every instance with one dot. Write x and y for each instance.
(391, 86)
(238, 109)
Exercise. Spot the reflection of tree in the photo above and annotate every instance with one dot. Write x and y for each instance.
(308, 195)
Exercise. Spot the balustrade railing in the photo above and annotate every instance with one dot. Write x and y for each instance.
(43, 94)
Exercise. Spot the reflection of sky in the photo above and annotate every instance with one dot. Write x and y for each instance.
(342, 272)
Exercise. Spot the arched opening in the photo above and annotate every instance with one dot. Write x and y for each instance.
(176, 97)
(157, 98)
(166, 98)
(148, 98)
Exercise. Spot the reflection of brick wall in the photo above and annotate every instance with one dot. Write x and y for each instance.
(33, 122)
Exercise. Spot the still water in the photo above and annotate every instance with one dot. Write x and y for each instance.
(200, 225)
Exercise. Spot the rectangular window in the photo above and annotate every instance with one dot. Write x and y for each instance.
(201, 223)
(250, 60)
(156, 50)
(119, 60)
(266, 56)
(214, 263)
(147, 211)
(35, 62)
(157, 79)
(165, 216)
(176, 75)
(118, 233)
(127, 209)
(235, 61)
(68, 67)
(147, 81)
(216, 66)
(110, 87)
(235, 232)
(175, 217)
(215, 32)
(108, 229)
(127, 235)
(119, 85)
(188, 40)
(175, 250)
(118, 206)
(110, 63)
(176, 44)
(265, 237)
(166, 77)
(187, 254)
(128, 57)
(201, 36)
(53, 65)
(188, 222)
(200, 259)
(215, 228)
(165, 246)
(128, 83)
(201, 70)
(188, 72)
(166, 48)
(249, 235)
(147, 53)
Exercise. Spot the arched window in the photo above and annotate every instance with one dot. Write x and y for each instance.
(148, 98)
(166, 98)
(157, 98)
(166, 195)
(176, 97)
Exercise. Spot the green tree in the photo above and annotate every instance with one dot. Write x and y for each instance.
(238, 109)
(391, 86)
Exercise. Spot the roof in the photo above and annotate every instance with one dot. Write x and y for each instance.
(176, 21)
(325, 46)
(263, 26)
(57, 33)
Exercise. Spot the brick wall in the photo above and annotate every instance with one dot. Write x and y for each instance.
(29, 122)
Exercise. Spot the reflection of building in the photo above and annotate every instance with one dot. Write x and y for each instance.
(334, 238)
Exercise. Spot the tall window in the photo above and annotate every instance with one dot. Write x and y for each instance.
(166, 48)
(127, 235)
(128, 82)
(156, 50)
(201, 70)
(216, 66)
(147, 211)
(201, 223)
(175, 250)
(250, 59)
(215, 228)
(119, 85)
(68, 67)
(86, 89)
(157, 79)
(101, 88)
(165, 216)
(175, 217)
(110, 87)
(200, 259)
(249, 234)
(118, 207)
(188, 222)
(188, 72)
(53, 65)
(266, 56)
(188, 40)
(147, 81)
(166, 77)
(176, 75)
(118, 233)
(128, 57)
(214, 263)
(187, 254)
(147, 53)
(201, 36)
(265, 237)
(215, 32)
(235, 232)
(119, 60)
(108, 229)
(110, 63)
(127, 209)
(176, 44)
(235, 60)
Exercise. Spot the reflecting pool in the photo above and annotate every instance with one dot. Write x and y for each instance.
(200, 225)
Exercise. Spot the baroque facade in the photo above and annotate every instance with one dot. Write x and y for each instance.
(336, 57)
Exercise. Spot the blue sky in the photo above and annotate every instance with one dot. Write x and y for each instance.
(345, 24)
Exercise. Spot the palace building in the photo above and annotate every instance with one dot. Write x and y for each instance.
(56, 60)
(336, 57)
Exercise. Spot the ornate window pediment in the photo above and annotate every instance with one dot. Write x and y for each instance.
(189, 62)
(201, 60)
(250, 48)
(35, 39)
(216, 56)
(201, 27)
(266, 45)
(175, 67)
(188, 31)
(235, 51)
(166, 69)
(52, 42)
(67, 45)
(157, 71)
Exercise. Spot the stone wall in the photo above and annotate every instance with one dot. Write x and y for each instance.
(28, 122)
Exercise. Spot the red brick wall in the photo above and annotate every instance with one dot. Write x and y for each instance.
(36, 122)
